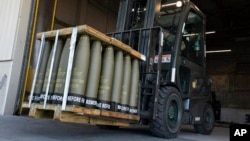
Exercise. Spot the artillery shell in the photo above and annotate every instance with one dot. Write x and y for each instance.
(117, 81)
(54, 72)
(94, 74)
(79, 72)
(57, 96)
(105, 86)
(133, 102)
(41, 72)
(126, 84)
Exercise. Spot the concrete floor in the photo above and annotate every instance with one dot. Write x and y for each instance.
(18, 128)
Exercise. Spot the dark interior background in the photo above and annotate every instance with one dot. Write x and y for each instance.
(230, 71)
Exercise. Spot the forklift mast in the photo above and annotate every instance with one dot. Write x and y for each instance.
(135, 26)
(158, 29)
(130, 9)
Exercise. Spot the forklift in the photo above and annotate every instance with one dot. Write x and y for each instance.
(170, 88)
(174, 87)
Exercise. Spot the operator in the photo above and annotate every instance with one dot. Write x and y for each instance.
(169, 40)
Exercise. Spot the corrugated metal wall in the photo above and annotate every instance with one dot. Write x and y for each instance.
(233, 86)
(231, 74)
(233, 91)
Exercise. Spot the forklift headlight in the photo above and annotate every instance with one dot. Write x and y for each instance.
(179, 4)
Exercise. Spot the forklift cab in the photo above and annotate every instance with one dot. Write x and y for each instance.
(184, 40)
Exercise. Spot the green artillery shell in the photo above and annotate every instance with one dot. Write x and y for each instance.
(105, 86)
(79, 72)
(54, 72)
(41, 72)
(117, 81)
(126, 84)
(133, 103)
(94, 74)
(61, 75)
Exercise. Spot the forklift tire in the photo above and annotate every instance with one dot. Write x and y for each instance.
(169, 112)
(206, 127)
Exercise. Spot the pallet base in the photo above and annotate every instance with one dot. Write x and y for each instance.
(76, 114)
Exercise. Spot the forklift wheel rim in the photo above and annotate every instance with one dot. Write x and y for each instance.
(173, 112)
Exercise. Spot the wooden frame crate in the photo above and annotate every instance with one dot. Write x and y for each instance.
(72, 113)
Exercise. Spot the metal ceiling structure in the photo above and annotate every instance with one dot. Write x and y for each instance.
(229, 18)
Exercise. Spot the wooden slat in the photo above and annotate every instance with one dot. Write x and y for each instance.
(83, 29)
(72, 117)
(25, 105)
(88, 111)
(38, 113)
(99, 121)
(110, 114)
(126, 48)
(95, 35)
(119, 115)
(66, 116)
(121, 45)
(48, 106)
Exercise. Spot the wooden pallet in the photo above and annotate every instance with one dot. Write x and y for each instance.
(78, 114)
(95, 35)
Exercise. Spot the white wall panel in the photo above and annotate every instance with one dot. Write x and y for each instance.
(9, 10)
(5, 69)
(14, 16)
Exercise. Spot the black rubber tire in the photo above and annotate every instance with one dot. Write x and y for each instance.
(207, 126)
(169, 112)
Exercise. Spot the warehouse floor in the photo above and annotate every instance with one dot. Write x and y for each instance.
(20, 128)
